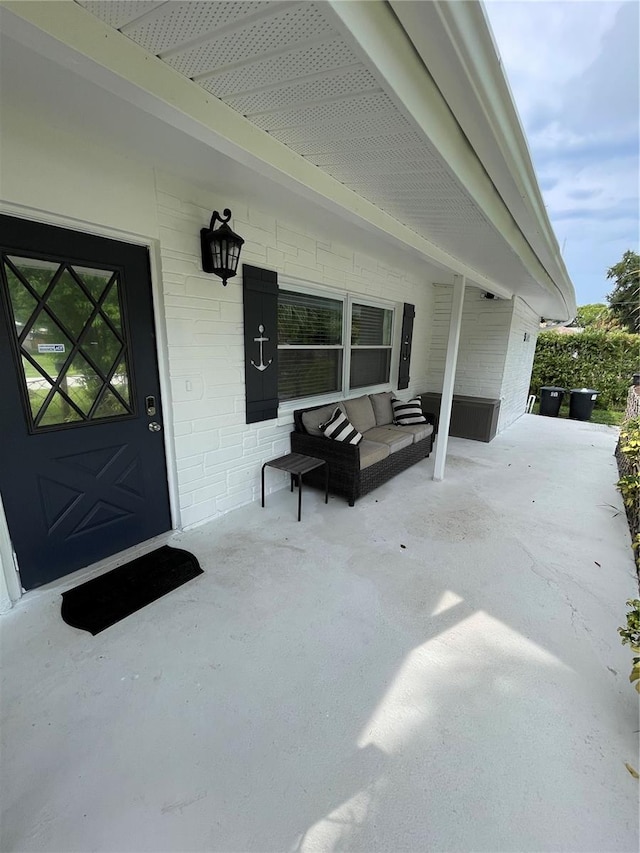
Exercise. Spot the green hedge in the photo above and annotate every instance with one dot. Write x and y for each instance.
(605, 361)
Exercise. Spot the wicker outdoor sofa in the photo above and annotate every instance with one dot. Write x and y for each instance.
(386, 447)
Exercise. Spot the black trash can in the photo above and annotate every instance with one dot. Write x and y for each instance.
(551, 400)
(581, 403)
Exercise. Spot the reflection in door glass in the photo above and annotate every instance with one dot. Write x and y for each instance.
(59, 411)
(94, 280)
(24, 304)
(72, 343)
(82, 383)
(38, 273)
(102, 345)
(120, 380)
(70, 304)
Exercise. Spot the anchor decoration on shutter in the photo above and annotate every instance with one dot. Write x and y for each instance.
(261, 340)
(260, 294)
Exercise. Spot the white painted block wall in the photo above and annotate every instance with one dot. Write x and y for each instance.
(518, 363)
(63, 173)
(218, 455)
(494, 360)
(214, 456)
(483, 340)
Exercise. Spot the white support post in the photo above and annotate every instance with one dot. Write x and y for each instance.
(446, 402)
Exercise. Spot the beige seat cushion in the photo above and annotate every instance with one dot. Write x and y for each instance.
(372, 452)
(313, 419)
(382, 408)
(419, 431)
(396, 439)
(360, 412)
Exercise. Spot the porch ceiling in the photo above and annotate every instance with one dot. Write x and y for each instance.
(303, 73)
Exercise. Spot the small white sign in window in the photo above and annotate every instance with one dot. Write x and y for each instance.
(50, 347)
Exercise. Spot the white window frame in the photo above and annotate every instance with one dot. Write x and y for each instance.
(348, 298)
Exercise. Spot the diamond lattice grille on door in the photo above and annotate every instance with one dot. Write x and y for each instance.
(71, 340)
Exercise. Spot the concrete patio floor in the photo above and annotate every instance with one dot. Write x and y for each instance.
(436, 669)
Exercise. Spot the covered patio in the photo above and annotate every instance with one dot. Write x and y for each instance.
(436, 669)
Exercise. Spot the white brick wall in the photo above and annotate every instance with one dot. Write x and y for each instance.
(494, 360)
(218, 455)
(518, 363)
(483, 340)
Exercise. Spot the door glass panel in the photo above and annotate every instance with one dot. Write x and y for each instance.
(109, 406)
(22, 302)
(120, 380)
(38, 273)
(82, 383)
(111, 307)
(101, 345)
(59, 411)
(58, 333)
(47, 345)
(70, 304)
(94, 280)
(37, 386)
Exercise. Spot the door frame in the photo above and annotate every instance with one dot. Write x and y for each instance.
(10, 583)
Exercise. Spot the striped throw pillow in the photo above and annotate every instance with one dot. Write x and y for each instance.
(340, 428)
(405, 414)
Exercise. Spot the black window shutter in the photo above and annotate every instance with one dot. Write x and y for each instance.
(260, 342)
(405, 348)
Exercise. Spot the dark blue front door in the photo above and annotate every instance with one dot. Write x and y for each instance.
(82, 462)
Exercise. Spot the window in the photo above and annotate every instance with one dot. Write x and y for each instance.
(313, 357)
(310, 346)
(370, 345)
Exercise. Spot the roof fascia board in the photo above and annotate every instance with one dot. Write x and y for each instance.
(69, 35)
(457, 39)
(380, 39)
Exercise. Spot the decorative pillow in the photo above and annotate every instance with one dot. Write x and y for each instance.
(405, 414)
(312, 419)
(340, 428)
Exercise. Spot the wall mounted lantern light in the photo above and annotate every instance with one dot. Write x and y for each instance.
(220, 248)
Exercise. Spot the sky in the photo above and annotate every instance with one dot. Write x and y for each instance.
(573, 68)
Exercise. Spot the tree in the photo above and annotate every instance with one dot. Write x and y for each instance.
(596, 316)
(624, 299)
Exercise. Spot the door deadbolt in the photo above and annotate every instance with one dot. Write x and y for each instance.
(154, 427)
(150, 403)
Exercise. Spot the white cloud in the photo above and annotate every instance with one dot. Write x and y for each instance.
(573, 71)
(545, 44)
(597, 187)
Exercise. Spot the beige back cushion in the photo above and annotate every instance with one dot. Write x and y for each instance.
(360, 413)
(382, 408)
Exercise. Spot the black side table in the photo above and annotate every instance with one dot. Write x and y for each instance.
(297, 464)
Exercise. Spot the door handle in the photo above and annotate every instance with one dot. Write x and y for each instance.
(150, 404)
(154, 427)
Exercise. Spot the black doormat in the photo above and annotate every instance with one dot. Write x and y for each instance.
(103, 601)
